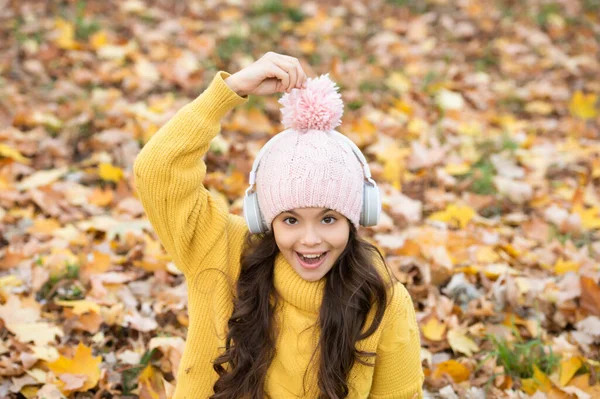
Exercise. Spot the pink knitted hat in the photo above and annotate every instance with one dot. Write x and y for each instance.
(310, 167)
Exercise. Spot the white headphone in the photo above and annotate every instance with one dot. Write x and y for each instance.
(371, 209)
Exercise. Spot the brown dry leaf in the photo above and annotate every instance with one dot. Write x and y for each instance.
(171, 347)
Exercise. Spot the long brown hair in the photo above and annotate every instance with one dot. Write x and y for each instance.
(353, 286)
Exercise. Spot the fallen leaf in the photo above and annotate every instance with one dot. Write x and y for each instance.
(109, 172)
(82, 363)
(455, 215)
(458, 371)
(583, 106)
(568, 368)
(459, 342)
(433, 329)
(151, 384)
(590, 295)
(15, 155)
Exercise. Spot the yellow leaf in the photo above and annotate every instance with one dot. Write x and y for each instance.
(539, 107)
(398, 82)
(461, 343)
(403, 107)
(434, 330)
(98, 39)
(528, 385)
(583, 106)
(457, 168)
(29, 391)
(563, 266)
(568, 368)
(82, 363)
(15, 155)
(455, 214)
(362, 131)
(110, 173)
(542, 381)
(487, 254)
(539, 382)
(151, 384)
(458, 371)
(393, 164)
(66, 35)
(80, 307)
(590, 218)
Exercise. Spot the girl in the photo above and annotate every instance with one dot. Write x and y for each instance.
(288, 302)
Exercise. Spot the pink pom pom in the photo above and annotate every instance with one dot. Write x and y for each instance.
(318, 106)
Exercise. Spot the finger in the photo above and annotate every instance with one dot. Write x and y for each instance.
(290, 71)
(282, 76)
(300, 75)
(301, 78)
(293, 77)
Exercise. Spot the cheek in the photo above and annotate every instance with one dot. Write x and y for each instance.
(339, 238)
(284, 239)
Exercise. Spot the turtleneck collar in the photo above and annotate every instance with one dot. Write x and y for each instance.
(305, 295)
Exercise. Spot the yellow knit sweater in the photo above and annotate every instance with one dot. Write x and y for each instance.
(205, 242)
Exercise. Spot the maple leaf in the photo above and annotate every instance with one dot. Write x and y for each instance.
(82, 363)
(109, 172)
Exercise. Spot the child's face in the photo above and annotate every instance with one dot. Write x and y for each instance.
(311, 231)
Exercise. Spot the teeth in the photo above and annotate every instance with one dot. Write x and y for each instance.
(311, 256)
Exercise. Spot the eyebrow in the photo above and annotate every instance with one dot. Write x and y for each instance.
(320, 213)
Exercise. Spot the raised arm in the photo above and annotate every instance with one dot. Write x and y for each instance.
(169, 172)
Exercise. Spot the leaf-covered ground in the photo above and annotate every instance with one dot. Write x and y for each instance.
(481, 122)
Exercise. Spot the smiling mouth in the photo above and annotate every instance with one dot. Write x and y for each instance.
(311, 261)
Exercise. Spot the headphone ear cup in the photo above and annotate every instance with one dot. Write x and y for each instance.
(371, 206)
(252, 214)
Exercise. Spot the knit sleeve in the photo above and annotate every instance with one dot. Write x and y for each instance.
(398, 372)
(169, 172)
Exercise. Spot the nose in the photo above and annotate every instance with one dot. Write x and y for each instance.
(310, 237)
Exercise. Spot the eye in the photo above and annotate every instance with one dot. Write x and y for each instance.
(331, 219)
(292, 221)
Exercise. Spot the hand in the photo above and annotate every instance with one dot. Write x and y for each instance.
(272, 73)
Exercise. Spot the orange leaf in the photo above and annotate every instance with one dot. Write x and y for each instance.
(454, 369)
(101, 197)
(590, 295)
